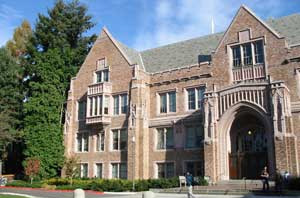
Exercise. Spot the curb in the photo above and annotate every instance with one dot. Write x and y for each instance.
(18, 194)
(46, 190)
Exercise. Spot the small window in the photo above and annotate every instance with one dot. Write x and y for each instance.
(119, 170)
(194, 137)
(82, 142)
(119, 139)
(102, 76)
(195, 98)
(100, 142)
(98, 170)
(84, 170)
(165, 170)
(168, 102)
(81, 110)
(165, 138)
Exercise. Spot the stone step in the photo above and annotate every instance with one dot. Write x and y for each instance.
(242, 182)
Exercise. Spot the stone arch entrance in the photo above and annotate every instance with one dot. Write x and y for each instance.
(245, 137)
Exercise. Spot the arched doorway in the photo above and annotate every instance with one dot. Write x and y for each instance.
(249, 147)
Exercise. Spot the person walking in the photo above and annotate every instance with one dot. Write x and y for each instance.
(265, 178)
(189, 182)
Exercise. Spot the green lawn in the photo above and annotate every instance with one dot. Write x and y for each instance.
(10, 196)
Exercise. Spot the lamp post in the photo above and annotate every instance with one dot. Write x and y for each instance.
(133, 162)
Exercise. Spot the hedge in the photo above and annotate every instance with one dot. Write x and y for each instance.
(110, 185)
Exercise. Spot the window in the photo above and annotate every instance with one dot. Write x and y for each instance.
(194, 167)
(120, 104)
(236, 52)
(252, 53)
(194, 136)
(119, 170)
(195, 98)
(98, 171)
(81, 110)
(106, 104)
(168, 102)
(84, 170)
(101, 63)
(100, 142)
(119, 139)
(165, 170)
(165, 138)
(259, 52)
(82, 142)
(102, 76)
(247, 54)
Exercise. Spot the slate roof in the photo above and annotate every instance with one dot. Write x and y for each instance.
(196, 50)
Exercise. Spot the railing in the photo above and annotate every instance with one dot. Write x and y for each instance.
(104, 119)
(99, 88)
(248, 72)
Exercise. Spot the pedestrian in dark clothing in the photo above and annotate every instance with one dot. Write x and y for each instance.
(189, 179)
(265, 178)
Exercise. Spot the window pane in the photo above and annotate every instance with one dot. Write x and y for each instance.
(170, 170)
(163, 103)
(114, 170)
(123, 138)
(199, 136)
(124, 103)
(85, 142)
(115, 140)
(102, 141)
(81, 110)
(99, 170)
(106, 104)
(79, 142)
(160, 139)
(91, 106)
(236, 53)
(96, 106)
(259, 52)
(200, 91)
(190, 167)
(169, 138)
(84, 170)
(99, 77)
(172, 102)
(190, 137)
(116, 105)
(123, 171)
(191, 99)
(100, 104)
(161, 170)
(247, 54)
(105, 75)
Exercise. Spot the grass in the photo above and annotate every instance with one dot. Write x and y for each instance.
(10, 196)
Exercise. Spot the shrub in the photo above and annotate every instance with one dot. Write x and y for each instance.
(20, 183)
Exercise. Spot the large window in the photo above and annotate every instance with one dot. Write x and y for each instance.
(100, 142)
(82, 142)
(120, 104)
(194, 136)
(119, 170)
(167, 102)
(194, 167)
(98, 170)
(84, 170)
(248, 54)
(98, 106)
(165, 138)
(119, 139)
(165, 170)
(195, 98)
(81, 110)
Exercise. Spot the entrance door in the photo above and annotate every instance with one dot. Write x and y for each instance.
(248, 148)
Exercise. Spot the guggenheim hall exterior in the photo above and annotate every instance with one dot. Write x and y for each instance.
(223, 105)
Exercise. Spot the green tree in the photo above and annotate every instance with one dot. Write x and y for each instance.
(10, 100)
(57, 50)
(17, 46)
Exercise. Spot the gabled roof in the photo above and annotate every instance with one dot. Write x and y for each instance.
(196, 50)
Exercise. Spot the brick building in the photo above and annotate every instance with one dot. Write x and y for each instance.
(222, 105)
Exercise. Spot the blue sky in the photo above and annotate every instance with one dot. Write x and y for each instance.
(144, 24)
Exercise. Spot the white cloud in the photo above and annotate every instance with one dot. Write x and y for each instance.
(9, 19)
(184, 19)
